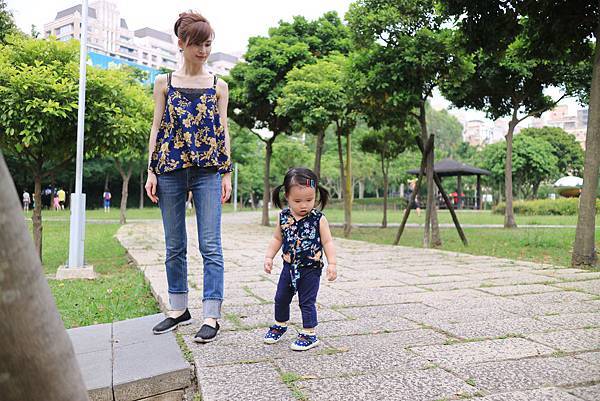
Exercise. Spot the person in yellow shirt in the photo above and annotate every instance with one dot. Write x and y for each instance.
(62, 196)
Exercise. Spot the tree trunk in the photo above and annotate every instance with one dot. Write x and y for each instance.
(33, 366)
(267, 182)
(342, 169)
(436, 239)
(384, 171)
(430, 184)
(509, 215)
(349, 189)
(319, 153)
(36, 217)
(141, 188)
(125, 176)
(584, 248)
(361, 189)
(106, 181)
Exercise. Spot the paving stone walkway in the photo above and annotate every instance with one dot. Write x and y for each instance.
(398, 324)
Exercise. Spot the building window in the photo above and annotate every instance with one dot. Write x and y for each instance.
(145, 55)
(64, 30)
(153, 57)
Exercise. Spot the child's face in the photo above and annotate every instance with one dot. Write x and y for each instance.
(301, 199)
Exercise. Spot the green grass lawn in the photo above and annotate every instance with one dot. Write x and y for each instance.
(550, 245)
(147, 213)
(119, 292)
(464, 217)
(336, 215)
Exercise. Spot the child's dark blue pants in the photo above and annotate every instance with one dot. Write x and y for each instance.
(308, 287)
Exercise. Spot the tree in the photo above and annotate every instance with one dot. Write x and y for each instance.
(319, 94)
(255, 86)
(510, 76)
(575, 34)
(533, 162)
(7, 23)
(406, 52)
(131, 123)
(38, 103)
(387, 143)
(309, 99)
(33, 366)
(247, 152)
(446, 128)
(565, 147)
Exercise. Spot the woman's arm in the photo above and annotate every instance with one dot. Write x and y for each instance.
(222, 102)
(160, 91)
(329, 248)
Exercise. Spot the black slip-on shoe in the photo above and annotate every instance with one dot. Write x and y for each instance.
(206, 333)
(171, 323)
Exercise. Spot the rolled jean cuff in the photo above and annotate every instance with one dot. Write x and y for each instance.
(178, 301)
(212, 308)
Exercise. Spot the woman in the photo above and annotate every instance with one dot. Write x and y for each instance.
(189, 151)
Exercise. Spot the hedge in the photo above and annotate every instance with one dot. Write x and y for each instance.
(544, 207)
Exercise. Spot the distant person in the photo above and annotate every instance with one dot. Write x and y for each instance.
(55, 202)
(189, 150)
(106, 196)
(412, 184)
(47, 198)
(62, 196)
(26, 201)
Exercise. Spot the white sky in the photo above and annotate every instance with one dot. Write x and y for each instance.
(234, 21)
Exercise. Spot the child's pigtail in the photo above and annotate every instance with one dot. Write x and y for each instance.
(323, 196)
(275, 196)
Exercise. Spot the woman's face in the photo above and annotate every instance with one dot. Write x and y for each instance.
(196, 53)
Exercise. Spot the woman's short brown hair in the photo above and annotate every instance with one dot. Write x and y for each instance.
(193, 29)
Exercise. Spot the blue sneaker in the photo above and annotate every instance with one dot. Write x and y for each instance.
(305, 342)
(274, 334)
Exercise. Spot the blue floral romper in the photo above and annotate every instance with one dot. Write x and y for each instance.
(301, 242)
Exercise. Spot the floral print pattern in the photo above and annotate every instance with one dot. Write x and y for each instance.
(301, 242)
(190, 132)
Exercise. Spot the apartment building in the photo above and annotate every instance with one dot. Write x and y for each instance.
(110, 36)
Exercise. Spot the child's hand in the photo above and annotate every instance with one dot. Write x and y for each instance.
(268, 265)
(331, 272)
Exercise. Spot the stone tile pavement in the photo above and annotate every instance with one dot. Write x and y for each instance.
(398, 324)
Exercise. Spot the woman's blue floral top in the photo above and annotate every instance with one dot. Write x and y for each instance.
(190, 132)
(301, 241)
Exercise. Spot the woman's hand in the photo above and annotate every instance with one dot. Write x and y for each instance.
(150, 186)
(225, 187)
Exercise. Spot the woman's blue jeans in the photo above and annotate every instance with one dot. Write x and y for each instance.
(172, 190)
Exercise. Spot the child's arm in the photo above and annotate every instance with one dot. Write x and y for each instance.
(273, 248)
(327, 241)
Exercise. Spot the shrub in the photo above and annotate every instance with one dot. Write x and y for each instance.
(541, 207)
(372, 203)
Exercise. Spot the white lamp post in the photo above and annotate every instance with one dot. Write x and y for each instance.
(76, 267)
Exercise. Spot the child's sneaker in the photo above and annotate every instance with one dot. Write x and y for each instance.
(305, 342)
(274, 334)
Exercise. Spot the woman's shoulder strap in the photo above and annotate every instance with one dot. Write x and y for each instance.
(215, 81)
